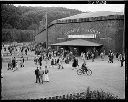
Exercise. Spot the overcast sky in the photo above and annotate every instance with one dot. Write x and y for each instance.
(83, 7)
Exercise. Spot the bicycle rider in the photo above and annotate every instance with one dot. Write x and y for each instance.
(84, 67)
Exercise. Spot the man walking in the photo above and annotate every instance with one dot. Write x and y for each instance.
(37, 75)
(92, 57)
(41, 72)
(13, 63)
(26, 51)
(22, 62)
(112, 56)
(40, 60)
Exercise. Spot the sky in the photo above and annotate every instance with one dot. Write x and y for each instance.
(83, 7)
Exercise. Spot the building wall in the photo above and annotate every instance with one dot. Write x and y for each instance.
(111, 33)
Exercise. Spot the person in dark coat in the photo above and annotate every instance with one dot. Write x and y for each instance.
(117, 54)
(52, 62)
(40, 60)
(26, 51)
(13, 63)
(75, 63)
(111, 57)
(37, 75)
(22, 61)
(121, 60)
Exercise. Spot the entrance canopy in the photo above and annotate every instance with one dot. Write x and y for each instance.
(77, 42)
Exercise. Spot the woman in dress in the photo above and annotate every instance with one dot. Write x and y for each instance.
(46, 77)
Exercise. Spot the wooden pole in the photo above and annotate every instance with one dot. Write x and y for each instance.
(46, 31)
(46, 38)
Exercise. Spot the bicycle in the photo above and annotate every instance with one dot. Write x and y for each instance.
(81, 71)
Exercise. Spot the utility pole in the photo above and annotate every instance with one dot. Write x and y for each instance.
(46, 37)
(46, 31)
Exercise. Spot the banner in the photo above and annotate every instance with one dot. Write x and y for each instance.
(82, 36)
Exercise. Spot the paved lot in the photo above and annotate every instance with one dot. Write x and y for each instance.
(21, 83)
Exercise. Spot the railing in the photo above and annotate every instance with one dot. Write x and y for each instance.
(7, 54)
(18, 59)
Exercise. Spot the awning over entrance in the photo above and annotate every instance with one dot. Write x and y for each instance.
(77, 42)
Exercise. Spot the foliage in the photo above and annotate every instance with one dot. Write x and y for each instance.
(10, 35)
(88, 94)
(18, 21)
(22, 17)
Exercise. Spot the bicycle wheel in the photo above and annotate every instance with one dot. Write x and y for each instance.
(89, 72)
(79, 71)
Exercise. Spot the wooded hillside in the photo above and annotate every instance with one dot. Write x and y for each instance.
(28, 18)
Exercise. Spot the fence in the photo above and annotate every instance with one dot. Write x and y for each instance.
(18, 59)
(7, 54)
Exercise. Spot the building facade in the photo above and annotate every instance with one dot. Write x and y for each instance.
(107, 30)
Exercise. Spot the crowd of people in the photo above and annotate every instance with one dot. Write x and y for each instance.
(92, 55)
(17, 60)
(57, 58)
(14, 64)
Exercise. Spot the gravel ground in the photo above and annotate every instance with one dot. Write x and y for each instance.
(20, 84)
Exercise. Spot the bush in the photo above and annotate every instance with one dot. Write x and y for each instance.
(95, 94)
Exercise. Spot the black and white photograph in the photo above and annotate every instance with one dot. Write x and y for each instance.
(62, 51)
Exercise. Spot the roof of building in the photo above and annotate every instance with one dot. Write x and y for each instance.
(92, 14)
(77, 42)
(99, 15)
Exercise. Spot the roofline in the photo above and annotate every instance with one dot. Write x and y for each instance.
(56, 44)
(89, 19)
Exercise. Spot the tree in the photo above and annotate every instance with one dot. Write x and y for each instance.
(33, 27)
(7, 26)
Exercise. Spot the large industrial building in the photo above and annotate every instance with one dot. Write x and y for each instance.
(102, 28)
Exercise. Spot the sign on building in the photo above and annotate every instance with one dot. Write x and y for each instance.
(82, 36)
